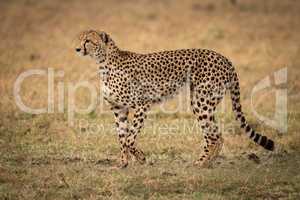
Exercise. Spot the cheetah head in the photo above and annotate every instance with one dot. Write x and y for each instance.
(94, 44)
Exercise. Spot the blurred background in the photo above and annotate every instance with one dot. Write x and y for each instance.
(259, 37)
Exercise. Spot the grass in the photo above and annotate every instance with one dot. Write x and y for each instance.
(43, 157)
(50, 160)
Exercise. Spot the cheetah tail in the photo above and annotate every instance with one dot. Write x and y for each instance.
(237, 108)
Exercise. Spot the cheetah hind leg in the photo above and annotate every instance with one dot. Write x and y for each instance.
(211, 152)
(212, 139)
(204, 106)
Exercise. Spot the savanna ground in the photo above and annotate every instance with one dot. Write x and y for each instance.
(43, 157)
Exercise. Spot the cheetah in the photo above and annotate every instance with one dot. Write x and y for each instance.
(134, 82)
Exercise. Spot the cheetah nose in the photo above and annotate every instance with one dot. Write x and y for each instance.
(77, 49)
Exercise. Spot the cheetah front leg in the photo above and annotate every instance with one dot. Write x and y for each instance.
(121, 119)
(137, 123)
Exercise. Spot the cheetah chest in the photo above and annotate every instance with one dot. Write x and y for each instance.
(104, 82)
(114, 88)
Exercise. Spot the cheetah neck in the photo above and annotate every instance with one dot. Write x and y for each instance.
(111, 52)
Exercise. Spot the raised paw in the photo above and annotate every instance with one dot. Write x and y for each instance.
(141, 160)
(139, 156)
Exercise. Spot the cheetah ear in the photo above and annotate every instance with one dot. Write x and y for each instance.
(104, 37)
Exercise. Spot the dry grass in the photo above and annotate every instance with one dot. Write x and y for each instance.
(44, 158)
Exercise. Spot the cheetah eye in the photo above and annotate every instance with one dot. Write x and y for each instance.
(87, 41)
